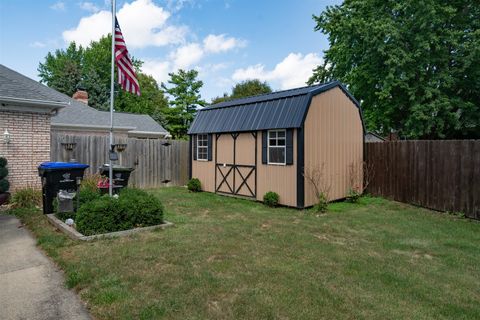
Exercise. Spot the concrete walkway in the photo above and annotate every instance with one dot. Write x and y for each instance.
(31, 286)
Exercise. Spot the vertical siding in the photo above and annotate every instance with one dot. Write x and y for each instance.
(224, 149)
(205, 170)
(333, 137)
(245, 149)
(280, 179)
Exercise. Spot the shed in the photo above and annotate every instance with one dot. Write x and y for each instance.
(249, 146)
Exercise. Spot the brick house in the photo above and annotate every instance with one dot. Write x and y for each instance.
(31, 112)
(25, 130)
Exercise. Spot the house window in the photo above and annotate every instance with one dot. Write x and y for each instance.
(202, 147)
(276, 147)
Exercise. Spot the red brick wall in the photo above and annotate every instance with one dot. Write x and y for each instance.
(29, 146)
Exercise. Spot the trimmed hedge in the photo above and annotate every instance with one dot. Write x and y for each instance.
(4, 185)
(3, 172)
(271, 199)
(132, 209)
(194, 185)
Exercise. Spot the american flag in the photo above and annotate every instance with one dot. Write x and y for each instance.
(126, 74)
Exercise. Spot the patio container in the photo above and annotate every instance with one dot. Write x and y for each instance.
(58, 176)
(120, 174)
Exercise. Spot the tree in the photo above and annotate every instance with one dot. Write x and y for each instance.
(186, 99)
(245, 88)
(62, 71)
(415, 65)
(89, 67)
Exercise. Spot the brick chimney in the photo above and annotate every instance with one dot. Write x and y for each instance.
(81, 95)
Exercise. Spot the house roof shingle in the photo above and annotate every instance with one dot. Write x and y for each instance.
(16, 85)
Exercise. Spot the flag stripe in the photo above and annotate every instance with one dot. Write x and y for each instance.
(127, 77)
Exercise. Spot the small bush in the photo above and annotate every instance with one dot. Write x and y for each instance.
(353, 195)
(271, 199)
(27, 198)
(3, 172)
(3, 162)
(133, 208)
(322, 204)
(86, 195)
(4, 185)
(194, 185)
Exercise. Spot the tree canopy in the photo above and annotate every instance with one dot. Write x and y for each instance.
(65, 70)
(245, 88)
(184, 91)
(414, 65)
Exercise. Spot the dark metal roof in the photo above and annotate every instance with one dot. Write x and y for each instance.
(277, 110)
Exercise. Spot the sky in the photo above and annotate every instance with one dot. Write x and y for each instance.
(227, 41)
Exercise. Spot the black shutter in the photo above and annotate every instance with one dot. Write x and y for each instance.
(289, 147)
(195, 147)
(264, 146)
(209, 147)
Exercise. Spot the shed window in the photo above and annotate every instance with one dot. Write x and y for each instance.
(276, 146)
(202, 147)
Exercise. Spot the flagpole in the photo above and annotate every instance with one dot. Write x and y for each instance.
(112, 88)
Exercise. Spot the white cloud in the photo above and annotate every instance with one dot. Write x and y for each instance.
(58, 6)
(143, 24)
(158, 69)
(221, 43)
(88, 6)
(186, 56)
(177, 5)
(291, 72)
(89, 28)
(37, 44)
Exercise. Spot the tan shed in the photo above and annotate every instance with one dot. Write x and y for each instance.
(249, 146)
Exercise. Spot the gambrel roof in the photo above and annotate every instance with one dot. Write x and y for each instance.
(276, 110)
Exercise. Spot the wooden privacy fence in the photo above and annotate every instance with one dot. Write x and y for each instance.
(440, 174)
(156, 162)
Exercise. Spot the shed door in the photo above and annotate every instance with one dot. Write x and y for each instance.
(236, 163)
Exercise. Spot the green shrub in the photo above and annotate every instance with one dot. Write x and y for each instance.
(271, 199)
(194, 185)
(3, 172)
(3, 162)
(4, 185)
(322, 204)
(133, 208)
(353, 195)
(85, 195)
(27, 198)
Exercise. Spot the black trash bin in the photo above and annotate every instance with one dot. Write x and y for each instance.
(58, 176)
(120, 174)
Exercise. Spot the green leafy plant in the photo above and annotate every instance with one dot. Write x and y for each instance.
(133, 208)
(317, 177)
(322, 204)
(194, 185)
(86, 195)
(271, 199)
(4, 184)
(353, 195)
(27, 198)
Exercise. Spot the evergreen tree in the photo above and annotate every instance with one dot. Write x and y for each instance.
(185, 100)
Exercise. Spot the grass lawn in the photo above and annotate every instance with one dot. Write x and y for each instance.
(229, 258)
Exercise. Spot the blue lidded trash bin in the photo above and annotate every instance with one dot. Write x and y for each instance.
(58, 176)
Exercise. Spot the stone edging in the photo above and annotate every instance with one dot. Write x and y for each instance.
(75, 235)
